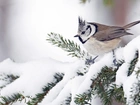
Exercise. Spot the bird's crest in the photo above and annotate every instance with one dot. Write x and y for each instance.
(81, 21)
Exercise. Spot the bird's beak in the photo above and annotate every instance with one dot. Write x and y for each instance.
(76, 36)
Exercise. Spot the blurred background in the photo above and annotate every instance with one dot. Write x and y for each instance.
(24, 24)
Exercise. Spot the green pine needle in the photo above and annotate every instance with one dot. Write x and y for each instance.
(40, 96)
(11, 99)
(103, 86)
(84, 98)
(67, 45)
(133, 63)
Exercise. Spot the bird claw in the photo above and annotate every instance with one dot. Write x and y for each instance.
(90, 61)
(116, 64)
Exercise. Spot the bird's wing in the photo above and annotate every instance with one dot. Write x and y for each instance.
(111, 33)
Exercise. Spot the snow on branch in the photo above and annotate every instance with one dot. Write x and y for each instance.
(50, 82)
(32, 79)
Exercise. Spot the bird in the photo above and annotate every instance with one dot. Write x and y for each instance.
(99, 39)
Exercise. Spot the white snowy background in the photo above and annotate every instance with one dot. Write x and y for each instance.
(24, 25)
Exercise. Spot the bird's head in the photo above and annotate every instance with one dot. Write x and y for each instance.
(85, 30)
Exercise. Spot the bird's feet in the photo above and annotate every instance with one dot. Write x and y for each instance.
(90, 61)
(115, 62)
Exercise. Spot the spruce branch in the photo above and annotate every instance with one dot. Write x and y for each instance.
(67, 101)
(32, 100)
(7, 79)
(133, 63)
(104, 87)
(135, 94)
(135, 91)
(84, 98)
(40, 96)
(138, 73)
(67, 45)
(11, 99)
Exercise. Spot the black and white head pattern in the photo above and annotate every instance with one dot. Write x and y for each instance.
(85, 30)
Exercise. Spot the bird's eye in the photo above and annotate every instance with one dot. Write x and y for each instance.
(83, 32)
(87, 27)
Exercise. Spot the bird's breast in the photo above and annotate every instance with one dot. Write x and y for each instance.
(96, 47)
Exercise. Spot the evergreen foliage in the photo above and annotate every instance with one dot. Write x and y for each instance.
(67, 101)
(11, 99)
(69, 46)
(40, 96)
(84, 99)
(135, 91)
(31, 100)
(133, 63)
(103, 85)
(8, 79)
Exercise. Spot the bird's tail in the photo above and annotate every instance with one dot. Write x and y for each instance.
(131, 24)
